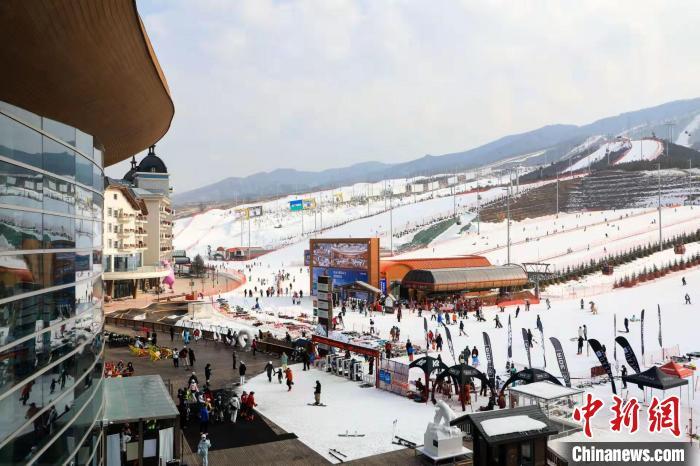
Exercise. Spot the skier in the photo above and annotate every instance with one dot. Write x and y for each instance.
(461, 328)
(580, 345)
(624, 373)
(580, 331)
(409, 349)
(176, 358)
(269, 368)
(527, 304)
(529, 338)
(683, 281)
(438, 342)
(498, 322)
(517, 311)
(549, 304)
(687, 298)
(539, 322)
(241, 372)
(289, 376)
(371, 326)
(594, 309)
(234, 359)
(317, 393)
(585, 332)
(627, 325)
(581, 303)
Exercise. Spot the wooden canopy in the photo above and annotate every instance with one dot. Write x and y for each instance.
(88, 64)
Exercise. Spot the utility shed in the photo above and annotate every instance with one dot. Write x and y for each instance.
(508, 437)
(465, 278)
(143, 403)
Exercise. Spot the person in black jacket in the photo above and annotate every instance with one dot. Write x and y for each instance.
(190, 356)
(207, 373)
(317, 393)
(241, 372)
(269, 368)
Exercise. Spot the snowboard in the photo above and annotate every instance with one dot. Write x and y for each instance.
(314, 404)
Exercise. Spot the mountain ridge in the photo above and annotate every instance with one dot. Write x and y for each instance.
(554, 140)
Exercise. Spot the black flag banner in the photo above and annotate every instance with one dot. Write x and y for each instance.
(491, 370)
(527, 348)
(642, 330)
(630, 357)
(561, 360)
(544, 356)
(615, 333)
(449, 343)
(510, 339)
(603, 358)
(661, 342)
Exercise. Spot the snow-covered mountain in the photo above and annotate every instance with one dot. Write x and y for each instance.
(533, 148)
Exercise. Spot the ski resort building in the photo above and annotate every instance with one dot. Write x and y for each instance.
(81, 90)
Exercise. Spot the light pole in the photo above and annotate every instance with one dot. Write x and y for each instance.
(478, 205)
(510, 186)
(660, 237)
(558, 193)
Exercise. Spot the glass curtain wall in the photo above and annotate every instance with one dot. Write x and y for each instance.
(51, 320)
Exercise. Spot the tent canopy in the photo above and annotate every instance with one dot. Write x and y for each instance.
(655, 378)
(674, 369)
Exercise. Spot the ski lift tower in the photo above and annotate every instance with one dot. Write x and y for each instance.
(537, 271)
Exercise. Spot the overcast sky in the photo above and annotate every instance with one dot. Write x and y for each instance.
(263, 84)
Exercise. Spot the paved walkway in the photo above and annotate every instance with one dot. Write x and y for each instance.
(208, 287)
(283, 452)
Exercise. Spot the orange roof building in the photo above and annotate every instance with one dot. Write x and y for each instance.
(675, 369)
(395, 269)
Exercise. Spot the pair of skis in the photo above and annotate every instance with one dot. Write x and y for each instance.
(348, 434)
(340, 456)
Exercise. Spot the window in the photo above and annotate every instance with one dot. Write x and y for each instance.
(109, 227)
(110, 243)
(19, 142)
(58, 158)
(109, 211)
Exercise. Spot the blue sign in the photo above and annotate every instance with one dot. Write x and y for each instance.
(382, 285)
(385, 376)
(307, 257)
(296, 205)
(341, 277)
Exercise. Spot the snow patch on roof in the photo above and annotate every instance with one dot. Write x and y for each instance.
(511, 424)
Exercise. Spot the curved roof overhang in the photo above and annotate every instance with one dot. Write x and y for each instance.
(88, 64)
(462, 279)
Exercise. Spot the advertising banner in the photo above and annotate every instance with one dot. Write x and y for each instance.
(296, 205)
(491, 369)
(561, 360)
(527, 348)
(340, 277)
(309, 203)
(603, 358)
(661, 342)
(254, 211)
(341, 255)
(642, 332)
(630, 357)
(510, 339)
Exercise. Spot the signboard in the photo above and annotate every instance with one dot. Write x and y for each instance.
(309, 203)
(382, 285)
(307, 257)
(324, 302)
(296, 205)
(255, 211)
(341, 255)
(338, 198)
(340, 277)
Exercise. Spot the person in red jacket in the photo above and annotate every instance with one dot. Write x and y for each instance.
(250, 404)
(290, 378)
